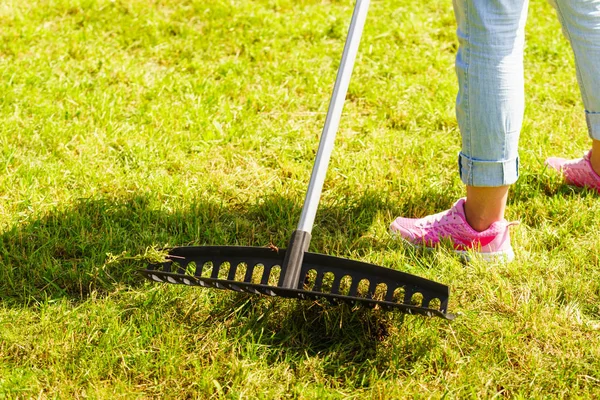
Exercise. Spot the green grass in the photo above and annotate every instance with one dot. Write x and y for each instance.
(128, 125)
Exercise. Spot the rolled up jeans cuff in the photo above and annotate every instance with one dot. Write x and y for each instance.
(593, 123)
(487, 173)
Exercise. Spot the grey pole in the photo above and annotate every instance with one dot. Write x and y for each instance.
(334, 113)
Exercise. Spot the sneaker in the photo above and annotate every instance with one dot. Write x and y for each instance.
(493, 244)
(578, 172)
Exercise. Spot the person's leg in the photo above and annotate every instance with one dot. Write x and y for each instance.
(490, 102)
(489, 108)
(580, 21)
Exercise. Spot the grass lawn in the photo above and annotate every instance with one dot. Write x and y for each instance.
(128, 125)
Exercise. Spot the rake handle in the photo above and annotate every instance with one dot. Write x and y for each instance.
(300, 239)
(334, 114)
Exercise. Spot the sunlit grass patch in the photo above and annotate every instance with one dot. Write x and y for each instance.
(129, 126)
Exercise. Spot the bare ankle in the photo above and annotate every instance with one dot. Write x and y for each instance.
(595, 156)
(477, 222)
(484, 206)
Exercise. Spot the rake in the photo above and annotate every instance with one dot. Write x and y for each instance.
(295, 272)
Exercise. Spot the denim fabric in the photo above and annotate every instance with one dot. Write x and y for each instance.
(489, 66)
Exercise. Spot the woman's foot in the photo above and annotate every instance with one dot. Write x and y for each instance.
(492, 243)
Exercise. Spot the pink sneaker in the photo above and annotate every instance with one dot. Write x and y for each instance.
(576, 172)
(493, 243)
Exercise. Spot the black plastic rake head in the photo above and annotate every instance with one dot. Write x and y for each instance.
(261, 270)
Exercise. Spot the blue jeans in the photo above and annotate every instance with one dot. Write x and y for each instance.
(489, 65)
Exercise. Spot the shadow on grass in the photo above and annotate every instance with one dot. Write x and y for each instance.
(64, 253)
(350, 343)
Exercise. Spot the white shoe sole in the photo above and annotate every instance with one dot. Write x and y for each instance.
(504, 256)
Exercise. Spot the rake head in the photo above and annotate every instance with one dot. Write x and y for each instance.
(261, 270)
